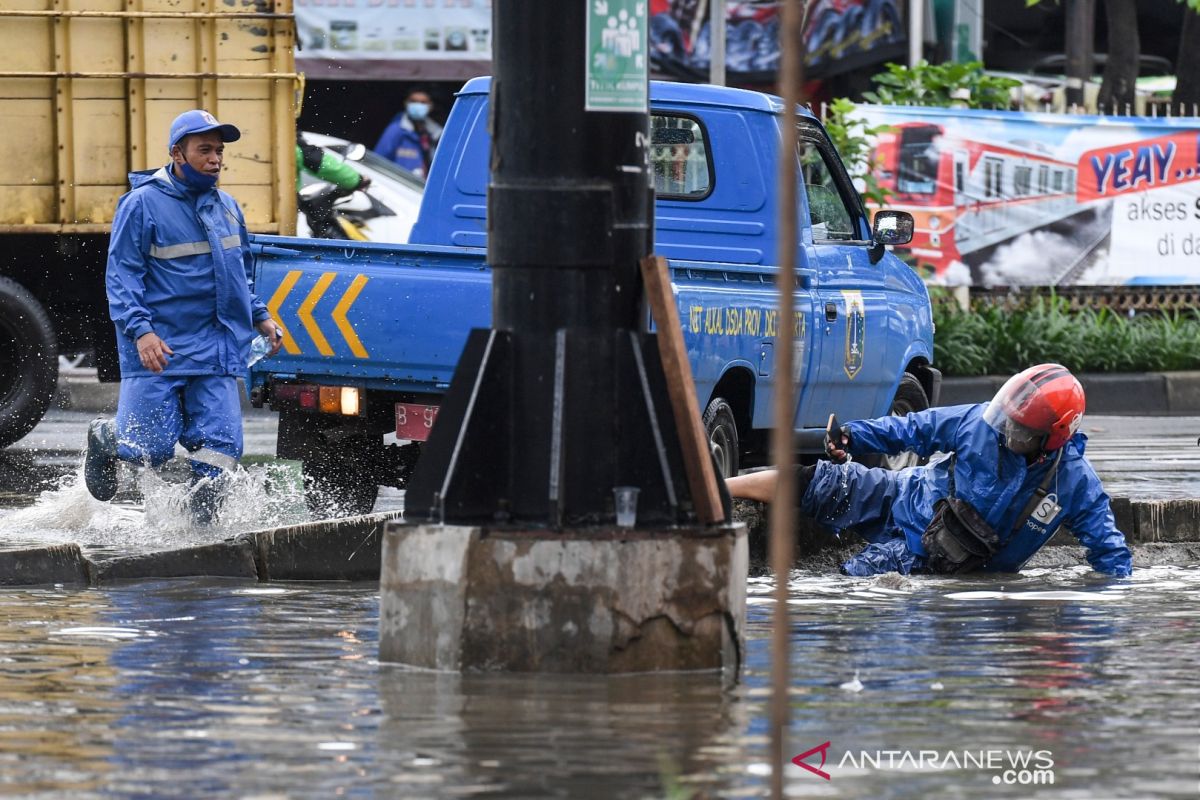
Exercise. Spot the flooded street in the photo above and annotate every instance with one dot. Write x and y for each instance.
(227, 689)
(1057, 683)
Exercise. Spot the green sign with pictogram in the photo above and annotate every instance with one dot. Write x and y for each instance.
(617, 61)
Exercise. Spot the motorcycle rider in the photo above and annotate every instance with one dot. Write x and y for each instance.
(326, 166)
(1016, 470)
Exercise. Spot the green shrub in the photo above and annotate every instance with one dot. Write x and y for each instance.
(1000, 339)
(946, 85)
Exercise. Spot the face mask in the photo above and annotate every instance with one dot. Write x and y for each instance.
(195, 179)
(417, 111)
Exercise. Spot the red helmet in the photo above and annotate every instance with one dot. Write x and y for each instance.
(1042, 405)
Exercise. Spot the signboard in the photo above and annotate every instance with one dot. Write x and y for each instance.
(421, 39)
(452, 39)
(839, 35)
(616, 68)
(1014, 198)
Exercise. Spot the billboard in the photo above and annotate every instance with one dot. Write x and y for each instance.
(839, 35)
(452, 39)
(387, 39)
(1014, 198)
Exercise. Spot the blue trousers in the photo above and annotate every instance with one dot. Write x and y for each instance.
(201, 412)
(853, 496)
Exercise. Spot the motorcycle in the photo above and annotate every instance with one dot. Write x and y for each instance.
(334, 213)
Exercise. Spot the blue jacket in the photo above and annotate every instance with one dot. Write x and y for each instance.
(401, 143)
(179, 265)
(997, 482)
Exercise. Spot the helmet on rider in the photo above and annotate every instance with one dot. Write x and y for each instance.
(1037, 409)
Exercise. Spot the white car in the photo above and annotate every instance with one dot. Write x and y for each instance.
(392, 200)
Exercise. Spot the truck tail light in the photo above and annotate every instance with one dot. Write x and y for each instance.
(344, 400)
(349, 401)
(331, 400)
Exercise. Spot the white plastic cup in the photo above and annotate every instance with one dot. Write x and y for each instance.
(626, 498)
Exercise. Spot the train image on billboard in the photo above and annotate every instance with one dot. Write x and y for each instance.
(967, 196)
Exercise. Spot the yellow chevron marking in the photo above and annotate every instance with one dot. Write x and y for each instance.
(285, 287)
(306, 309)
(339, 316)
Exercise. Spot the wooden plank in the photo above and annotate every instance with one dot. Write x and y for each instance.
(697, 460)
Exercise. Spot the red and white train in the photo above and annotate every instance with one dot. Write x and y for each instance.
(968, 195)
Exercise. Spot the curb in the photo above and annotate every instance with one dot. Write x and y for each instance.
(346, 549)
(1131, 393)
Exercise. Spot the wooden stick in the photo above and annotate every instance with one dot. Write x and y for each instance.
(697, 460)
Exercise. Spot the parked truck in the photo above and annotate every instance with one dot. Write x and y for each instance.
(87, 92)
(372, 332)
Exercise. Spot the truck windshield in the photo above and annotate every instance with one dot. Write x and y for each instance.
(831, 219)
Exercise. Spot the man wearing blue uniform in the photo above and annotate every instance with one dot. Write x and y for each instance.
(179, 291)
(1015, 473)
(411, 137)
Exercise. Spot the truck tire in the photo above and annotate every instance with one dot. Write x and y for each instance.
(910, 396)
(338, 482)
(28, 362)
(722, 431)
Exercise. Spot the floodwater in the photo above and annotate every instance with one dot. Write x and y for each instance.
(1057, 683)
(205, 688)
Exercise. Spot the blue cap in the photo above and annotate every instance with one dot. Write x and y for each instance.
(200, 121)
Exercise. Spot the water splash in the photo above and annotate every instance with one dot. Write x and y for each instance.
(157, 515)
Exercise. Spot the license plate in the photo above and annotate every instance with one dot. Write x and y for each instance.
(414, 421)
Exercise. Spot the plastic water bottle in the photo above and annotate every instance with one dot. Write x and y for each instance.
(258, 348)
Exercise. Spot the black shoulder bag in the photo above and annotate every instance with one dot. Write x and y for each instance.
(959, 539)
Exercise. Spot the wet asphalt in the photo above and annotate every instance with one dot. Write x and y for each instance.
(1149, 457)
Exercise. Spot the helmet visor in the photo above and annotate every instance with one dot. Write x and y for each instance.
(1020, 415)
(1021, 439)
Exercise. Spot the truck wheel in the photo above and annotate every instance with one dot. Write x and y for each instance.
(28, 362)
(338, 482)
(722, 436)
(910, 396)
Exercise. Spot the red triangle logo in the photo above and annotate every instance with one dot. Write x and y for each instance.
(799, 760)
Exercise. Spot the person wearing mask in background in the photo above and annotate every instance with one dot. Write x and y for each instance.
(1015, 472)
(411, 137)
(179, 281)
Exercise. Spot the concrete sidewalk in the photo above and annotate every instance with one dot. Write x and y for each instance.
(1135, 393)
(1123, 393)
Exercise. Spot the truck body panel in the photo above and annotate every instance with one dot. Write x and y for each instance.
(91, 87)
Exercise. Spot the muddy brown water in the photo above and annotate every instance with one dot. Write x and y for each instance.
(1056, 683)
(206, 688)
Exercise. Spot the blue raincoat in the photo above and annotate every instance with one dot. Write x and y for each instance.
(179, 265)
(892, 509)
(401, 143)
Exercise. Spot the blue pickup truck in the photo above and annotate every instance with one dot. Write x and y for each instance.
(372, 332)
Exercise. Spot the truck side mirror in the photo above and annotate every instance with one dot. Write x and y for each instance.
(892, 227)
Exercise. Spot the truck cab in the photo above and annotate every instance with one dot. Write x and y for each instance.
(863, 340)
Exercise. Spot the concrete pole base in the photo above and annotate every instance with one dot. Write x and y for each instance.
(595, 600)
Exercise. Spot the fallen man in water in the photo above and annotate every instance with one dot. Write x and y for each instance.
(1015, 472)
